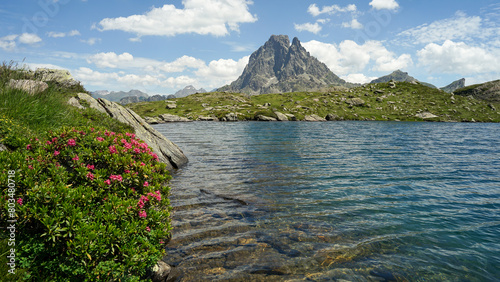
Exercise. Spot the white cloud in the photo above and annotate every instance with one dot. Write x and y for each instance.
(358, 78)
(110, 60)
(91, 41)
(349, 57)
(54, 34)
(127, 61)
(8, 42)
(311, 27)
(459, 27)
(121, 80)
(29, 38)
(315, 11)
(354, 24)
(384, 4)
(221, 72)
(459, 58)
(205, 17)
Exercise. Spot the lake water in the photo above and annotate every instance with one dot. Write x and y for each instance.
(361, 201)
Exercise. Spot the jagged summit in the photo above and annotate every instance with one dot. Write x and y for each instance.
(279, 66)
(400, 76)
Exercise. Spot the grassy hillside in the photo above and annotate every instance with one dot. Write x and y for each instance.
(34, 115)
(383, 101)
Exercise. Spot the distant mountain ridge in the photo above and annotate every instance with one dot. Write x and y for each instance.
(278, 67)
(188, 90)
(117, 96)
(400, 76)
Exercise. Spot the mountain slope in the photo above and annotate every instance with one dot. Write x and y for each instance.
(454, 86)
(489, 91)
(278, 67)
(117, 96)
(188, 90)
(400, 76)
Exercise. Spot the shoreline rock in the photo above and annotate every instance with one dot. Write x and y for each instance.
(168, 152)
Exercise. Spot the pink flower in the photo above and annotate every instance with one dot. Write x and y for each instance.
(143, 164)
(155, 156)
(146, 184)
(100, 139)
(112, 149)
(142, 214)
(137, 150)
(108, 182)
(91, 167)
(54, 140)
(127, 146)
(28, 147)
(148, 229)
(90, 175)
(130, 135)
(76, 158)
(140, 204)
(127, 171)
(144, 198)
(48, 142)
(116, 178)
(30, 167)
(71, 142)
(56, 153)
(161, 242)
(20, 201)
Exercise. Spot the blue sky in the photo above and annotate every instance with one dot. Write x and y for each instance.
(162, 46)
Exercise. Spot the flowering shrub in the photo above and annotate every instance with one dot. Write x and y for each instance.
(91, 204)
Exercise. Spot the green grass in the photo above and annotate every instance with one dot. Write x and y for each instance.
(40, 113)
(401, 103)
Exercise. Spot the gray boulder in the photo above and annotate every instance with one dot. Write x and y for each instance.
(173, 118)
(313, 117)
(281, 116)
(63, 77)
(265, 118)
(31, 86)
(167, 151)
(426, 115)
(332, 117)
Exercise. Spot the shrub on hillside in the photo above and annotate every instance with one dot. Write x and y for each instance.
(90, 205)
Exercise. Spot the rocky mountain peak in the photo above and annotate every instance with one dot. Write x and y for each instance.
(278, 66)
(454, 85)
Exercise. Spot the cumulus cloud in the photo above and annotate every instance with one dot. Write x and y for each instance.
(315, 11)
(54, 34)
(221, 72)
(358, 78)
(205, 17)
(384, 4)
(459, 58)
(128, 61)
(311, 27)
(29, 38)
(459, 27)
(354, 24)
(348, 57)
(10, 42)
(119, 80)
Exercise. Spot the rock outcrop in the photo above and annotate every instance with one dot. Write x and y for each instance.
(167, 151)
(279, 67)
(489, 91)
(63, 77)
(32, 87)
(454, 86)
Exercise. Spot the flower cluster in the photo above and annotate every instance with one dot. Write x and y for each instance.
(112, 179)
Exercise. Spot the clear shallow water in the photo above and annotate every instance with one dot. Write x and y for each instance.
(362, 201)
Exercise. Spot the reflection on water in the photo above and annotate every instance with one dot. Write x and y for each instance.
(362, 201)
